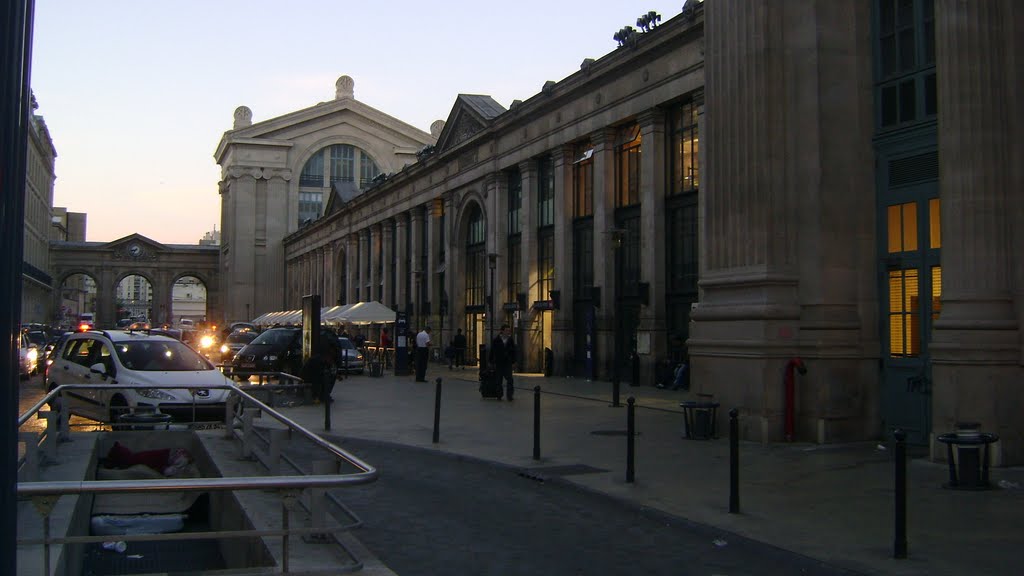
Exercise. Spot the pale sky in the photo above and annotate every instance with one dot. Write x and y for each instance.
(137, 93)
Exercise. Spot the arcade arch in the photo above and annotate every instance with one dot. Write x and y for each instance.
(100, 267)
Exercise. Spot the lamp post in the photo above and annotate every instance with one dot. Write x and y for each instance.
(492, 263)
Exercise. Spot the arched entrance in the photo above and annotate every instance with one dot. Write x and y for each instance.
(100, 267)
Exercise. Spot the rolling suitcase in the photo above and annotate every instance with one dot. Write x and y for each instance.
(490, 384)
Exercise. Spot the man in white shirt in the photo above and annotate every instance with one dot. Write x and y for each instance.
(422, 350)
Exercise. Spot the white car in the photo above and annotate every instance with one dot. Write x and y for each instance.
(28, 357)
(112, 357)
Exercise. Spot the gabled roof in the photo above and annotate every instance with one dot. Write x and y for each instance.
(470, 114)
(136, 238)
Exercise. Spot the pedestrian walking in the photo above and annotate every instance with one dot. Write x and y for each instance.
(459, 346)
(319, 372)
(503, 358)
(422, 351)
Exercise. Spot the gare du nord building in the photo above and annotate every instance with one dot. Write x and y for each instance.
(745, 184)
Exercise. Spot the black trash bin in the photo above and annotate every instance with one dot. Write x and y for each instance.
(699, 419)
(968, 454)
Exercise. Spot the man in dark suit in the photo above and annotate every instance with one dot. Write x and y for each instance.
(503, 358)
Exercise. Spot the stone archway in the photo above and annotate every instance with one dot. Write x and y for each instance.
(108, 262)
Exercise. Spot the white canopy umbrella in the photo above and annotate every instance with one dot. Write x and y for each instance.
(368, 313)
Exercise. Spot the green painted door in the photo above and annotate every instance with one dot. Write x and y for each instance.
(911, 287)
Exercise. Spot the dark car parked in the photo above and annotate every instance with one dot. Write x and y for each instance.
(275, 350)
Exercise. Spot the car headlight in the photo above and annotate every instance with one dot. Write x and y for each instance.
(206, 341)
(224, 349)
(33, 354)
(270, 358)
(359, 357)
(154, 393)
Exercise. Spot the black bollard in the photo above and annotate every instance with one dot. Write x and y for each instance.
(437, 412)
(536, 422)
(327, 413)
(630, 434)
(734, 462)
(615, 392)
(899, 454)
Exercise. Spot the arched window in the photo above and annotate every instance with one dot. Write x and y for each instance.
(333, 167)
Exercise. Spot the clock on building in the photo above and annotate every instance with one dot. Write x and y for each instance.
(135, 250)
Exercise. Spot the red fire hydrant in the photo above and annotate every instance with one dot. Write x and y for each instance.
(790, 414)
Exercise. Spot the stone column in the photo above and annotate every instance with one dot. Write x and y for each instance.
(562, 334)
(417, 265)
(783, 228)
(401, 261)
(976, 346)
(329, 293)
(652, 242)
(496, 194)
(388, 298)
(530, 356)
(374, 256)
(365, 266)
(352, 268)
(435, 210)
(604, 252)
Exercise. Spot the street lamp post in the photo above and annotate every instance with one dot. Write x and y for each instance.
(492, 263)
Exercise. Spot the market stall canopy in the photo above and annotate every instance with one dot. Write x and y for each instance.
(334, 313)
(368, 313)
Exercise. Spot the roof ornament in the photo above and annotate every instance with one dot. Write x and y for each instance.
(243, 117)
(344, 88)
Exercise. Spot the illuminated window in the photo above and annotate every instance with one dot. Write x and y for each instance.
(583, 181)
(936, 291)
(904, 319)
(627, 167)
(902, 223)
(934, 224)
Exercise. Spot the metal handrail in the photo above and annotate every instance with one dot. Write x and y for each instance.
(366, 475)
(40, 492)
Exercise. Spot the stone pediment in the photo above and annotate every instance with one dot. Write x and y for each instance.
(135, 247)
(471, 114)
(286, 128)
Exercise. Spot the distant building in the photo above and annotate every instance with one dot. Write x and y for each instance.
(211, 238)
(36, 282)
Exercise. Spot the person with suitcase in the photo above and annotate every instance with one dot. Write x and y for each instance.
(503, 359)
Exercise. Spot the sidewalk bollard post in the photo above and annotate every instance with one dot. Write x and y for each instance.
(615, 392)
(327, 412)
(630, 433)
(437, 411)
(536, 422)
(734, 462)
(899, 454)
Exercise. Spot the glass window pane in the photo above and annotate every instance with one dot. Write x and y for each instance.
(889, 106)
(895, 291)
(907, 55)
(934, 224)
(905, 14)
(931, 100)
(888, 55)
(895, 228)
(887, 16)
(909, 226)
(936, 291)
(908, 101)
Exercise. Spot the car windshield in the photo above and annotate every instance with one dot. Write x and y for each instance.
(160, 356)
(275, 337)
(345, 343)
(241, 337)
(37, 338)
